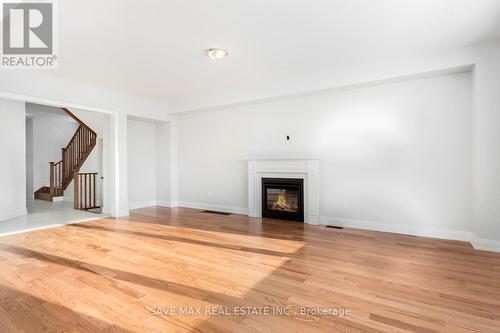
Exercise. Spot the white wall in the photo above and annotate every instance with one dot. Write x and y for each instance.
(149, 163)
(141, 163)
(398, 154)
(94, 120)
(13, 164)
(29, 159)
(487, 148)
(50, 134)
(163, 164)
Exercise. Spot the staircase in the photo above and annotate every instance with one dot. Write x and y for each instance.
(73, 156)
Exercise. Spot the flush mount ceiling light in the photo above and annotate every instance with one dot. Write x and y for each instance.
(216, 53)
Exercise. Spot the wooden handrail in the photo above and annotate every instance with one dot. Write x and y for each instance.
(78, 120)
(73, 137)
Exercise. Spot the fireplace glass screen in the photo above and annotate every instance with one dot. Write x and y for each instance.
(286, 200)
(283, 198)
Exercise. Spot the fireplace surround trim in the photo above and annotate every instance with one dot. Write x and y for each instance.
(308, 170)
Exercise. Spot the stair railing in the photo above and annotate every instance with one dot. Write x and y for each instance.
(77, 151)
(72, 157)
(56, 178)
(85, 190)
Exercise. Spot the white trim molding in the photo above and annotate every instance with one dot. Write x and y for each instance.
(483, 244)
(207, 206)
(122, 213)
(480, 244)
(412, 230)
(152, 203)
(13, 214)
(142, 204)
(304, 169)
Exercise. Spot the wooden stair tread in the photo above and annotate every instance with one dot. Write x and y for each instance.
(44, 189)
(43, 193)
(43, 196)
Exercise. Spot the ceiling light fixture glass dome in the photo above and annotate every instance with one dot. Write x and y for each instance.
(216, 53)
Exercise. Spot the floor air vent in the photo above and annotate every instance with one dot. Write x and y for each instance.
(214, 212)
(334, 227)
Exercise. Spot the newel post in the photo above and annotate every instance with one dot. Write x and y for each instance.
(63, 167)
(76, 189)
(52, 178)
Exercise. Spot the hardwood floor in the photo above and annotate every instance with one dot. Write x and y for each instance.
(127, 275)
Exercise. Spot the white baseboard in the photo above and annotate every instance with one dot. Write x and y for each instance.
(150, 204)
(451, 234)
(164, 203)
(55, 199)
(13, 214)
(138, 205)
(484, 244)
(122, 213)
(201, 205)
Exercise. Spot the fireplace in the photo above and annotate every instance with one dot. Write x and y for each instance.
(283, 198)
(305, 169)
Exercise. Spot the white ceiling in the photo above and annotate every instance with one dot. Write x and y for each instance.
(153, 49)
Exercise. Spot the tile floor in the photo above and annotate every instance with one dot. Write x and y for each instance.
(44, 214)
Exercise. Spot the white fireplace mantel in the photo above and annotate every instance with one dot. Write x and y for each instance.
(305, 169)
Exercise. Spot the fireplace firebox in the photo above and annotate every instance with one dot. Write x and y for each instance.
(283, 198)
